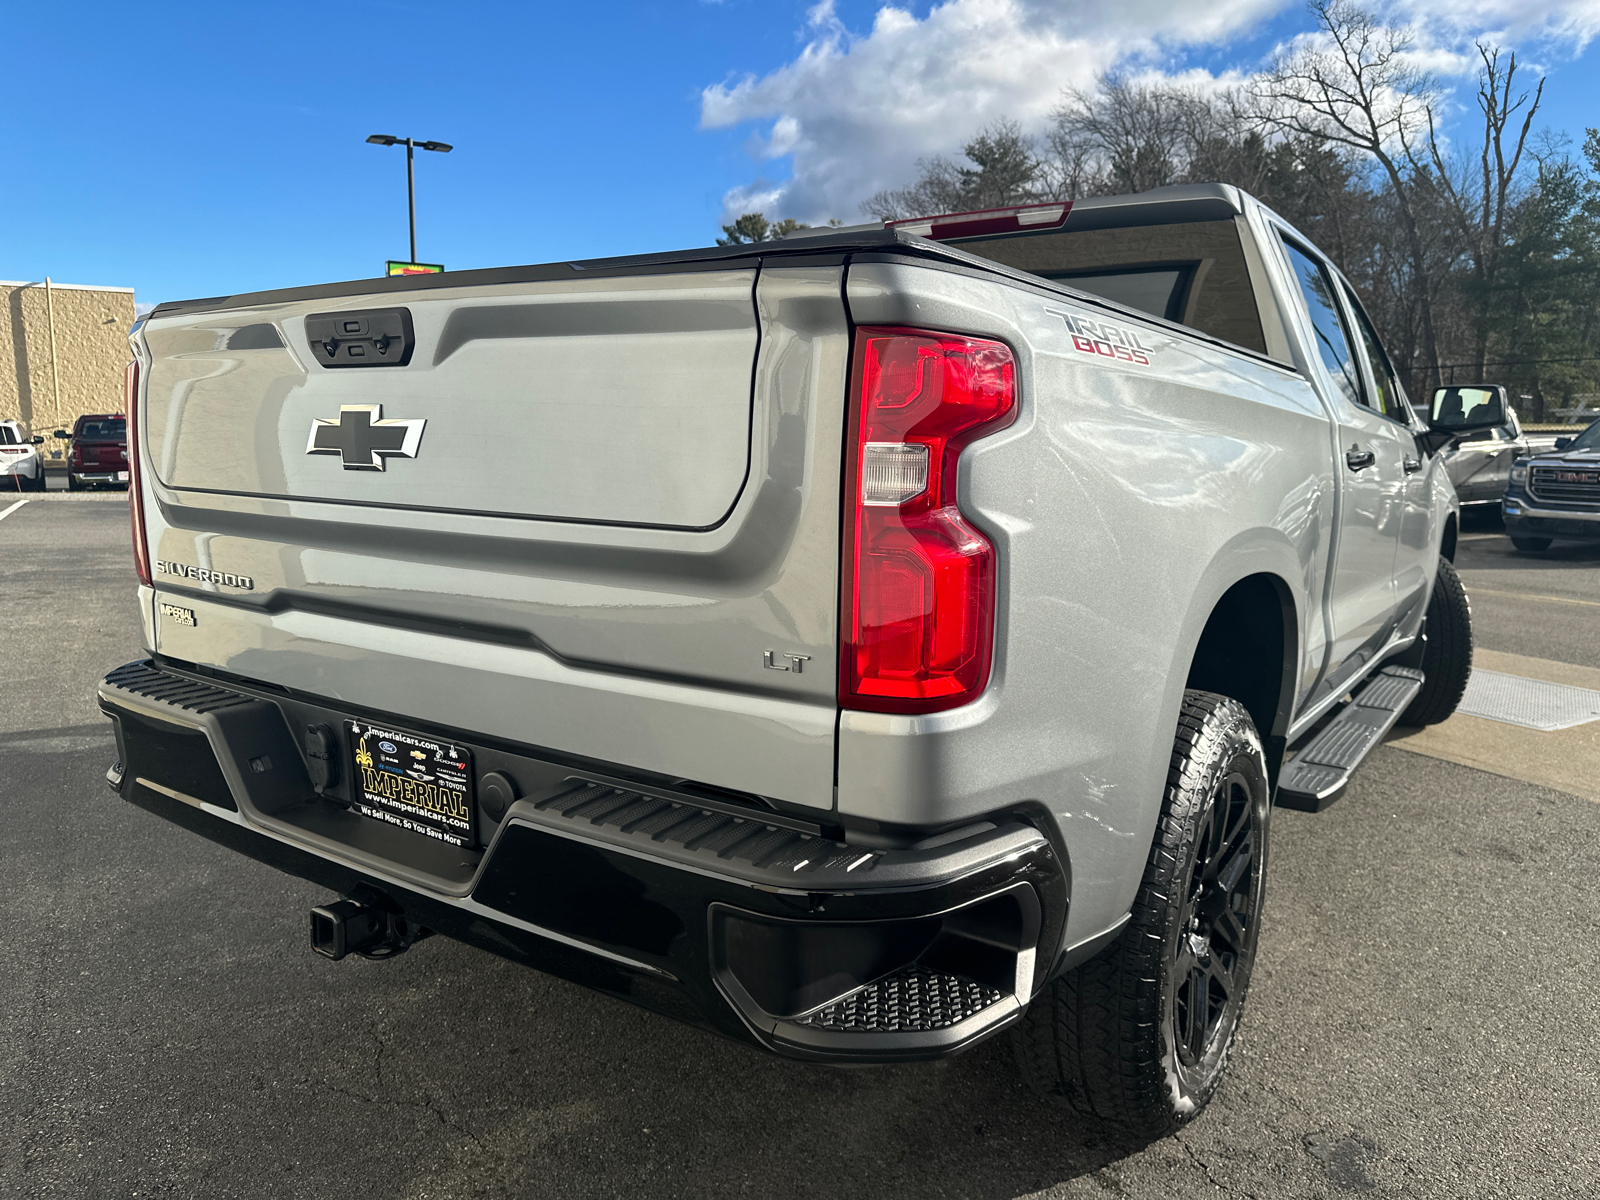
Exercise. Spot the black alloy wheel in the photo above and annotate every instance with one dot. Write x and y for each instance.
(1217, 928)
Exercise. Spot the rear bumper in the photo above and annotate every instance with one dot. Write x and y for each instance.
(769, 929)
(120, 476)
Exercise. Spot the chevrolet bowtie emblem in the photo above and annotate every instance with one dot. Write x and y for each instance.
(362, 439)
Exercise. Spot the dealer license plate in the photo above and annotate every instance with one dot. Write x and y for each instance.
(122, 477)
(413, 783)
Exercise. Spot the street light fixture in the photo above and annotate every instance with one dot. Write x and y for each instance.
(384, 139)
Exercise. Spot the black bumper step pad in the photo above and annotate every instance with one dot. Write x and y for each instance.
(1321, 770)
(913, 1000)
(259, 758)
(753, 839)
(147, 680)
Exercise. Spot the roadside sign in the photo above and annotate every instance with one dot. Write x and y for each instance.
(410, 268)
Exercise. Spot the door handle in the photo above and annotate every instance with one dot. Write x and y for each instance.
(1412, 465)
(1358, 459)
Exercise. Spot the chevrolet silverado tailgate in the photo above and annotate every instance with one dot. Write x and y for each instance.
(584, 512)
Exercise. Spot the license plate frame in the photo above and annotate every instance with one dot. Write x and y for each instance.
(412, 782)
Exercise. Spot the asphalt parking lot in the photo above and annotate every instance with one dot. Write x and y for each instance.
(1422, 1022)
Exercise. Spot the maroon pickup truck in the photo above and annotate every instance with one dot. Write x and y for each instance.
(97, 451)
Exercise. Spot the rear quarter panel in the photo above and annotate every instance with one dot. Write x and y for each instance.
(1123, 503)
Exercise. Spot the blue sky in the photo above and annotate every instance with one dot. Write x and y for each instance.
(196, 149)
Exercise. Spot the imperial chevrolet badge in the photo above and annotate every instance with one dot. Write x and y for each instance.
(362, 439)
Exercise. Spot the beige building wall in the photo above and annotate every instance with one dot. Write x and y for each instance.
(46, 392)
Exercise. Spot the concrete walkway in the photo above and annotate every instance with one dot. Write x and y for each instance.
(1567, 760)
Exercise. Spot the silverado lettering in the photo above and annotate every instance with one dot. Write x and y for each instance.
(204, 575)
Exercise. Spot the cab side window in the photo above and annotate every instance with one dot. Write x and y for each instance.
(1327, 326)
(1391, 398)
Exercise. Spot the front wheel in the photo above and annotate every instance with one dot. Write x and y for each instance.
(1139, 1035)
(1447, 652)
(1531, 545)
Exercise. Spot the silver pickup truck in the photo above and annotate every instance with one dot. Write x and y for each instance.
(856, 645)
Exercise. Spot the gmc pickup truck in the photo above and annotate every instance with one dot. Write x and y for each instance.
(856, 645)
(1556, 495)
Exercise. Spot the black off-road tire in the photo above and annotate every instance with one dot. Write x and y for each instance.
(1136, 1037)
(39, 484)
(1447, 656)
(1531, 545)
(72, 483)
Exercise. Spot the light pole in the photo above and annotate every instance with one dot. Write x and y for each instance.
(384, 139)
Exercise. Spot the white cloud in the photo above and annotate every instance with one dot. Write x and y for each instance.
(1569, 22)
(855, 111)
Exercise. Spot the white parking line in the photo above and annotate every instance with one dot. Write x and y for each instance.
(4, 513)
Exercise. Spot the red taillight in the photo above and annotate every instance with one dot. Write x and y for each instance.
(130, 405)
(917, 627)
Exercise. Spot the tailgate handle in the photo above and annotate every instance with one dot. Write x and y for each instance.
(369, 337)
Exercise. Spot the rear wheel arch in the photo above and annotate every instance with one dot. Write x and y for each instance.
(1249, 650)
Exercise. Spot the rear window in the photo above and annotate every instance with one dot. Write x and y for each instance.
(1193, 272)
(103, 431)
(1159, 290)
(7, 438)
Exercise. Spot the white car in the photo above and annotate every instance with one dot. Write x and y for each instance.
(21, 466)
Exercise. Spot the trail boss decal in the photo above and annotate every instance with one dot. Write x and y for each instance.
(1105, 339)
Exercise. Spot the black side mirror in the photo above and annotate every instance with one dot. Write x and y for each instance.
(62, 433)
(1563, 443)
(36, 440)
(1458, 410)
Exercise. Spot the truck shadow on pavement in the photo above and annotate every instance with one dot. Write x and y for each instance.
(1478, 552)
(1500, 555)
(584, 1095)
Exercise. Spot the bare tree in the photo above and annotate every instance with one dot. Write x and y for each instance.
(1481, 219)
(1361, 89)
(1122, 136)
